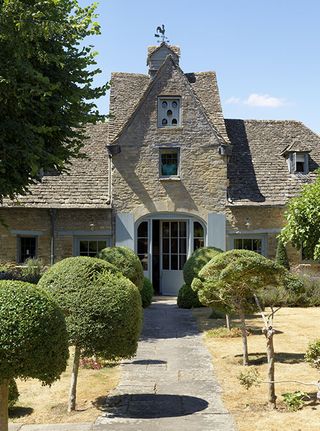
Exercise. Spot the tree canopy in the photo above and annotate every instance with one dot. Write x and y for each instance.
(46, 88)
(303, 221)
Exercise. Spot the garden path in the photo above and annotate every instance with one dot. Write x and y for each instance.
(170, 384)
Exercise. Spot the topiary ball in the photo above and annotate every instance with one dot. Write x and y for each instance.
(33, 335)
(197, 261)
(187, 298)
(147, 292)
(102, 307)
(126, 261)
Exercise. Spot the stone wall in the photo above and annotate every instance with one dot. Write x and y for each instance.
(36, 222)
(137, 187)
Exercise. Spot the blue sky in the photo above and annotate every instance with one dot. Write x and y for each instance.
(266, 53)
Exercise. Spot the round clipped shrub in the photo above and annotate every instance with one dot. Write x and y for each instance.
(187, 298)
(97, 302)
(33, 336)
(126, 261)
(147, 292)
(197, 261)
(13, 393)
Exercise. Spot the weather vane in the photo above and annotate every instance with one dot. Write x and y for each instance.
(160, 33)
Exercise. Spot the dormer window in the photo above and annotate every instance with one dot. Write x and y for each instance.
(168, 111)
(298, 162)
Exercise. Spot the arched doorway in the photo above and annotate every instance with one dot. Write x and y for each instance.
(163, 243)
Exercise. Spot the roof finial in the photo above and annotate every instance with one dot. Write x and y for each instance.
(160, 33)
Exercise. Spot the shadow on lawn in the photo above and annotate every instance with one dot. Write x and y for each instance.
(150, 406)
(19, 412)
(280, 357)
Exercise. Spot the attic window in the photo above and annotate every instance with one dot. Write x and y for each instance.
(168, 111)
(298, 163)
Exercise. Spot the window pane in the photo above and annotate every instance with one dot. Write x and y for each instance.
(92, 247)
(257, 245)
(174, 229)
(165, 229)
(183, 229)
(84, 248)
(238, 243)
(142, 245)
(182, 245)
(182, 260)
(165, 245)
(144, 261)
(247, 244)
(165, 261)
(174, 261)
(174, 245)
(169, 162)
(198, 243)
(143, 229)
(198, 230)
(102, 245)
(27, 248)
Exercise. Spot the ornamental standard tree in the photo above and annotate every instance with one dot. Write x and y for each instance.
(33, 338)
(238, 281)
(302, 229)
(46, 87)
(102, 308)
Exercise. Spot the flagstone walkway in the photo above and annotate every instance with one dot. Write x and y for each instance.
(170, 384)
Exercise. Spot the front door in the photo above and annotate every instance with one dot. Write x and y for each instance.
(173, 255)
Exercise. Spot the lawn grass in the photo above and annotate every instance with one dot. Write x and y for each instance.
(296, 327)
(44, 404)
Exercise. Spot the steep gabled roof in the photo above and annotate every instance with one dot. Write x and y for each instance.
(85, 186)
(169, 62)
(258, 173)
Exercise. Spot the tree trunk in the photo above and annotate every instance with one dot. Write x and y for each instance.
(228, 321)
(74, 378)
(4, 394)
(270, 354)
(244, 339)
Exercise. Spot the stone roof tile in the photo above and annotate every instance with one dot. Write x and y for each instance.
(84, 186)
(258, 173)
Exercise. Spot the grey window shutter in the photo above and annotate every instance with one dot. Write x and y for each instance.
(306, 163)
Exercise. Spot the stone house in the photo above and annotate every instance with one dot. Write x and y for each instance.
(167, 174)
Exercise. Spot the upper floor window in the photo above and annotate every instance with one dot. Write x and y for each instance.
(298, 163)
(169, 162)
(169, 111)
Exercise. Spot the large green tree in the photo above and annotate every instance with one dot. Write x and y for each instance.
(46, 87)
(303, 221)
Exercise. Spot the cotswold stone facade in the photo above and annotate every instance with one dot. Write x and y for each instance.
(167, 174)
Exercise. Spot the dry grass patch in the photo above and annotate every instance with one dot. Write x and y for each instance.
(44, 404)
(296, 327)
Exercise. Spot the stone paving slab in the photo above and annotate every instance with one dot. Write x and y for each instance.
(170, 384)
